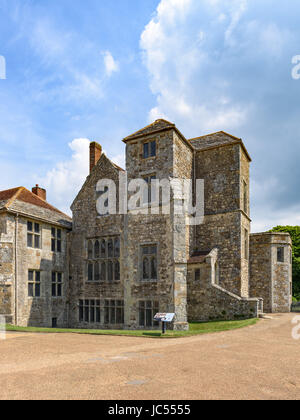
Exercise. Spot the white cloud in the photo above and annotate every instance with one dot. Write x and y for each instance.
(65, 180)
(211, 67)
(111, 65)
(177, 51)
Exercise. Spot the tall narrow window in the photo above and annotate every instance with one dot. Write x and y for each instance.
(90, 272)
(34, 283)
(33, 235)
(245, 197)
(197, 275)
(56, 284)
(90, 250)
(148, 196)
(97, 271)
(103, 249)
(280, 254)
(103, 271)
(149, 263)
(246, 244)
(55, 240)
(97, 249)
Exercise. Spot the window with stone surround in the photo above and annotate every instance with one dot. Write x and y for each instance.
(107, 312)
(103, 259)
(57, 282)
(280, 254)
(149, 149)
(147, 310)
(89, 311)
(55, 240)
(149, 195)
(149, 263)
(34, 283)
(114, 312)
(33, 235)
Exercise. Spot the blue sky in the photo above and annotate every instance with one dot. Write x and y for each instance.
(99, 70)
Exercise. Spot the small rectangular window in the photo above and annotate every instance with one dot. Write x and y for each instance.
(34, 283)
(280, 254)
(149, 149)
(197, 274)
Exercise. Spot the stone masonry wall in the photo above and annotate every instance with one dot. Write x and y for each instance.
(208, 301)
(223, 170)
(39, 311)
(269, 278)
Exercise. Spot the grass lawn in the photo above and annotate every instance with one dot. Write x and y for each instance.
(195, 329)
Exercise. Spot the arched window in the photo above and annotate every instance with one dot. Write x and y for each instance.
(103, 272)
(97, 249)
(90, 250)
(110, 274)
(96, 271)
(90, 271)
(103, 249)
(117, 271)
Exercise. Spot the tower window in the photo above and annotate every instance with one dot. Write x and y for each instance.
(149, 149)
(280, 254)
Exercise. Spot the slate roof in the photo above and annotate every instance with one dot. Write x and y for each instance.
(22, 201)
(221, 138)
(156, 126)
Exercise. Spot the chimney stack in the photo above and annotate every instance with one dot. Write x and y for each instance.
(95, 154)
(40, 192)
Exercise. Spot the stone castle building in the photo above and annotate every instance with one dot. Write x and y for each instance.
(118, 270)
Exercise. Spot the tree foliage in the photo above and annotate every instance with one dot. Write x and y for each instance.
(294, 231)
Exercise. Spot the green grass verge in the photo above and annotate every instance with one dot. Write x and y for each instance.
(195, 329)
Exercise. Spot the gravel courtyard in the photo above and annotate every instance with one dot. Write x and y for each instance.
(257, 362)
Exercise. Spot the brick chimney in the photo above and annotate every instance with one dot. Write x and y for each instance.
(95, 154)
(40, 192)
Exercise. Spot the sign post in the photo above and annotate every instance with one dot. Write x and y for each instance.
(164, 318)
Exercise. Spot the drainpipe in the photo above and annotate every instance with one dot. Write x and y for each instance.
(16, 267)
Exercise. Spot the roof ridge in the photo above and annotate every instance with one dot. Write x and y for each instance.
(15, 196)
(212, 134)
(137, 133)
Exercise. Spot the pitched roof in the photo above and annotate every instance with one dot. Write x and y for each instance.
(198, 257)
(23, 201)
(221, 138)
(156, 126)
